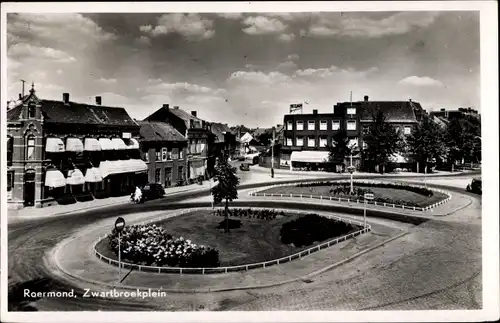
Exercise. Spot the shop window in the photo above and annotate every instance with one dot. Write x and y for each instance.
(158, 175)
(30, 147)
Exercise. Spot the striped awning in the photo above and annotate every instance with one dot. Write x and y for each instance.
(132, 144)
(74, 144)
(310, 156)
(105, 144)
(54, 145)
(54, 178)
(75, 177)
(92, 175)
(92, 144)
(111, 167)
(118, 144)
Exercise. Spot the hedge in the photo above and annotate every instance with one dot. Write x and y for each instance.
(250, 213)
(151, 245)
(415, 189)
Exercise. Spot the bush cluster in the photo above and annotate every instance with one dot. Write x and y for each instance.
(415, 189)
(151, 245)
(249, 213)
(346, 190)
(309, 228)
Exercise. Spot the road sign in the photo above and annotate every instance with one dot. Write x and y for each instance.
(119, 224)
(369, 196)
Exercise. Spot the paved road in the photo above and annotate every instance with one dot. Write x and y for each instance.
(436, 266)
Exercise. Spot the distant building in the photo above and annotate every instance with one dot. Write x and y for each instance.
(223, 141)
(64, 152)
(165, 151)
(456, 114)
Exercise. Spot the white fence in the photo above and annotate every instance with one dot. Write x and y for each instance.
(354, 200)
(245, 267)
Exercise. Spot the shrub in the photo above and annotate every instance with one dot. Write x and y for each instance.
(415, 189)
(250, 213)
(152, 245)
(312, 227)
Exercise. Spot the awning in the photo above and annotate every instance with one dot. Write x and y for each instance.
(75, 177)
(309, 156)
(54, 178)
(110, 167)
(92, 175)
(92, 144)
(105, 144)
(398, 158)
(74, 144)
(54, 145)
(118, 144)
(132, 144)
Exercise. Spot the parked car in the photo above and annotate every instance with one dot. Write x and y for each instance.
(241, 158)
(475, 186)
(152, 191)
(245, 167)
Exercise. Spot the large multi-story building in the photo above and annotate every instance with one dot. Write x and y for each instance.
(164, 150)
(195, 130)
(63, 152)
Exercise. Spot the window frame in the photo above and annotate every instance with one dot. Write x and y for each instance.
(323, 125)
(349, 109)
(289, 141)
(309, 138)
(311, 125)
(350, 122)
(28, 146)
(301, 123)
(323, 142)
(157, 154)
(334, 123)
(289, 125)
(31, 110)
(297, 141)
(409, 130)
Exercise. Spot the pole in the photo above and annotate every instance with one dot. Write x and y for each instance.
(119, 258)
(352, 188)
(210, 193)
(23, 88)
(364, 214)
(272, 155)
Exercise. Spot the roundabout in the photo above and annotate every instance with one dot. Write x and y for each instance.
(376, 261)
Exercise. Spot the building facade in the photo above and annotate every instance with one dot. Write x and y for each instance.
(456, 114)
(63, 152)
(164, 150)
(196, 133)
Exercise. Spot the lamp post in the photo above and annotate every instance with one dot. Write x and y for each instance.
(272, 155)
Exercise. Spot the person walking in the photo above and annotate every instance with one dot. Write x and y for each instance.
(138, 194)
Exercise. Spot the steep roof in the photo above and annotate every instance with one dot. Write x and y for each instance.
(185, 116)
(392, 110)
(159, 131)
(218, 129)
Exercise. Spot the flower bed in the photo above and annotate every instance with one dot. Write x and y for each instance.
(416, 189)
(152, 245)
(251, 213)
(307, 229)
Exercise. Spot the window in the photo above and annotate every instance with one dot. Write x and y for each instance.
(323, 142)
(10, 181)
(311, 142)
(30, 147)
(300, 125)
(31, 111)
(158, 155)
(289, 141)
(335, 125)
(164, 154)
(169, 155)
(407, 131)
(10, 150)
(198, 146)
(158, 175)
(310, 125)
(289, 125)
(300, 141)
(351, 125)
(181, 154)
(366, 130)
(323, 125)
(351, 111)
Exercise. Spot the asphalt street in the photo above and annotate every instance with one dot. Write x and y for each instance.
(436, 266)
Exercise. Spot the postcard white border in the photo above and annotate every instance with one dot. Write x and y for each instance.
(489, 110)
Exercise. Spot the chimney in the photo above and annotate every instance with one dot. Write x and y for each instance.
(193, 113)
(366, 98)
(442, 110)
(409, 100)
(165, 106)
(66, 98)
(98, 100)
(20, 96)
(315, 111)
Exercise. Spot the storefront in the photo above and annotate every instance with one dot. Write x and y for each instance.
(310, 160)
(197, 168)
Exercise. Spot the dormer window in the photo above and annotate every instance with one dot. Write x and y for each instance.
(31, 111)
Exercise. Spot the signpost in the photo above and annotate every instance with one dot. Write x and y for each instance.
(368, 196)
(119, 225)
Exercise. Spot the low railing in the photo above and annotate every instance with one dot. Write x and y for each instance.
(245, 267)
(354, 200)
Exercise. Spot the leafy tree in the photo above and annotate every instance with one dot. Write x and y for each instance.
(463, 139)
(227, 186)
(340, 148)
(382, 140)
(265, 138)
(426, 142)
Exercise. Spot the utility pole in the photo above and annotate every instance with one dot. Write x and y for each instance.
(272, 154)
(23, 88)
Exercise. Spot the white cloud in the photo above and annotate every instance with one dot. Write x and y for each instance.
(286, 37)
(107, 81)
(146, 29)
(261, 25)
(158, 87)
(191, 25)
(258, 77)
(293, 57)
(420, 81)
(230, 15)
(26, 51)
(143, 41)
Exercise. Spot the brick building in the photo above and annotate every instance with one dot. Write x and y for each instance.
(195, 131)
(164, 150)
(64, 152)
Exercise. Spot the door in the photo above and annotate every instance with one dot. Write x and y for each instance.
(29, 188)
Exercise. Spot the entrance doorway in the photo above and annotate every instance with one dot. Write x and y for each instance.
(29, 187)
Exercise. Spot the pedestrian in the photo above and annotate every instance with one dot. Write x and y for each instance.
(138, 194)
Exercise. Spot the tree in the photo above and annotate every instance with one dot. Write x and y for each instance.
(463, 139)
(426, 142)
(382, 140)
(265, 138)
(340, 148)
(227, 186)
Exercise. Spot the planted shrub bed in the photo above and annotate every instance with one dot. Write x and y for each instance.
(389, 193)
(311, 228)
(250, 213)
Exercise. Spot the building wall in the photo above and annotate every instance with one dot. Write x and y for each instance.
(176, 167)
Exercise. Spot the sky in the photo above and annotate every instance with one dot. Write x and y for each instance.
(247, 68)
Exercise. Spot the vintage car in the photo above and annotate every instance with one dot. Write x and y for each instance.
(475, 186)
(245, 167)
